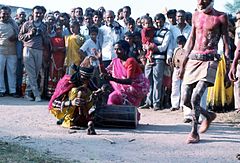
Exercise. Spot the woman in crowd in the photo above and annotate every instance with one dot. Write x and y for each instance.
(56, 70)
(126, 77)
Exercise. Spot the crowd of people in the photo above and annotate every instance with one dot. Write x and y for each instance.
(138, 58)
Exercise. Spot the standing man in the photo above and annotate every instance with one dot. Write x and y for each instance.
(78, 15)
(171, 15)
(87, 23)
(109, 34)
(8, 57)
(184, 29)
(34, 36)
(155, 72)
(126, 12)
(20, 19)
(200, 65)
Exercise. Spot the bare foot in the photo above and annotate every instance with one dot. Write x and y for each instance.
(206, 123)
(192, 138)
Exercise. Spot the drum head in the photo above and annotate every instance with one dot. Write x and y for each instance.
(178, 57)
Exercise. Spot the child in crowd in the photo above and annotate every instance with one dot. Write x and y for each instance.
(56, 68)
(176, 82)
(147, 34)
(128, 36)
(90, 46)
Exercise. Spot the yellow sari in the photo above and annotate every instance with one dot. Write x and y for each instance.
(220, 99)
(73, 44)
(68, 114)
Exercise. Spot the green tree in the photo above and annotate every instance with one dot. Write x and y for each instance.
(233, 7)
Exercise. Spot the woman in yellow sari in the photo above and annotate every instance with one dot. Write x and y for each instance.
(73, 44)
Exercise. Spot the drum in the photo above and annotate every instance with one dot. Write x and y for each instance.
(178, 57)
(117, 116)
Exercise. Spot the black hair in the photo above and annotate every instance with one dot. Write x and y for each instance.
(181, 39)
(128, 8)
(171, 12)
(79, 8)
(130, 21)
(64, 14)
(159, 16)
(88, 15)
(37, 8)
(96, 13)
(93, 29)
(119, 11)
(124, 44)
(182, 12)
(89, 11)
(148, 18)
(128, 34)
(137, 33)
(6, 8)
(188, 15)
(57, 12)
(44, 10)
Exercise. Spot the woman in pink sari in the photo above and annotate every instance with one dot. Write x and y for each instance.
(126, 77)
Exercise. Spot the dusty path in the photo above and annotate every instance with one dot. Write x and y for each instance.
(160, 137)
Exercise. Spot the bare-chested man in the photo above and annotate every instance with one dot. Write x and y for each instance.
(199, 68)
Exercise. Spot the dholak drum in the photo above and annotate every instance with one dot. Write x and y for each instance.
(178, 57)
(119, 116)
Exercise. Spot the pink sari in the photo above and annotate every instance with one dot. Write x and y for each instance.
(63, 86)
(126, 94)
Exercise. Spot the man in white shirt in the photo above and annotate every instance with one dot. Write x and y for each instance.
(108, 34)
(87, 23)
(182, 28)
(90, 47)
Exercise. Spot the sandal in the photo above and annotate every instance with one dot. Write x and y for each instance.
(191, 139)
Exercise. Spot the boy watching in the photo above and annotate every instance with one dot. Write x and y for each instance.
(90, 47)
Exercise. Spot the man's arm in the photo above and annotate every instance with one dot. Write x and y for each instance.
(188, 47)
(232, 72)
(190, 42)
(26, 33)
(225, 37)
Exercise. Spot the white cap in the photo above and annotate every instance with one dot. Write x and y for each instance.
(20, 10)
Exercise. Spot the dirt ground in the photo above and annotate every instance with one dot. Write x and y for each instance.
(160, 137)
